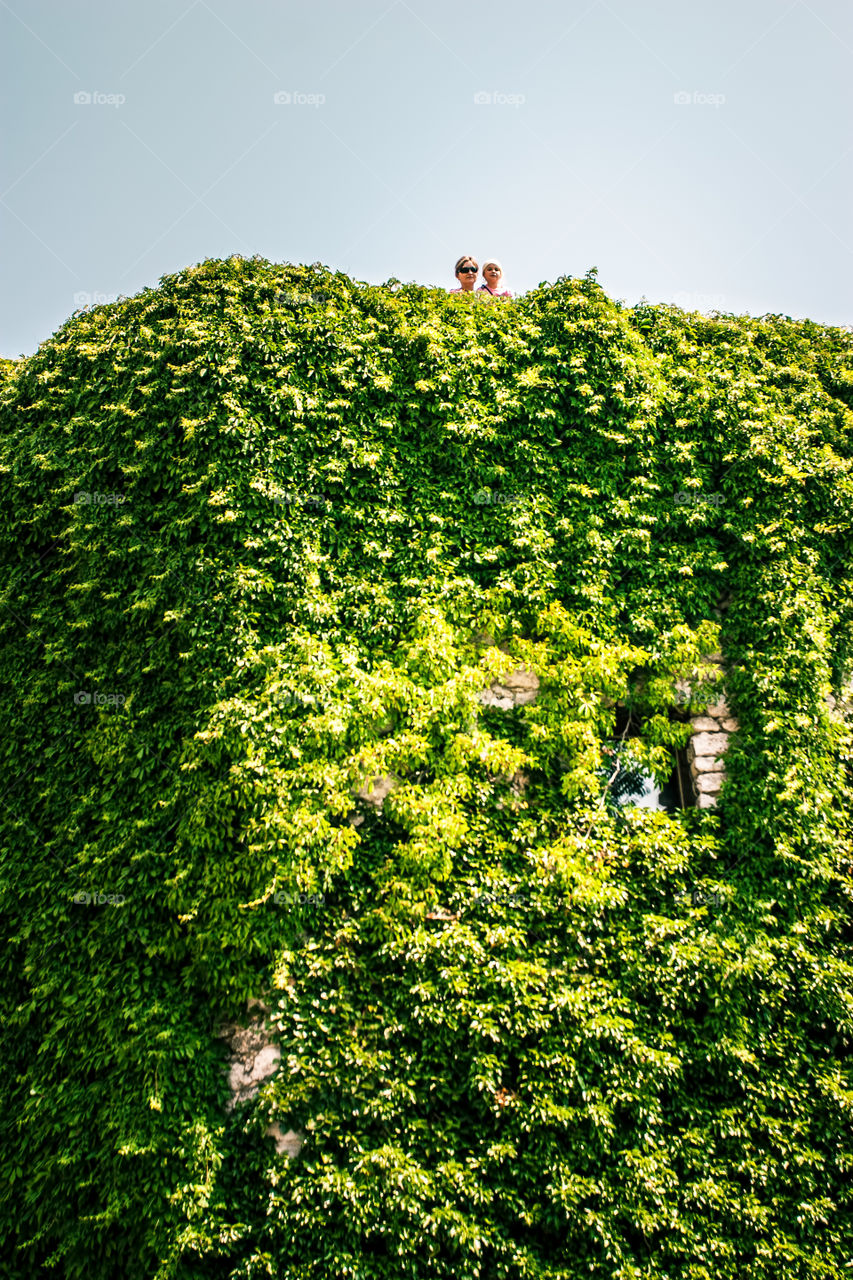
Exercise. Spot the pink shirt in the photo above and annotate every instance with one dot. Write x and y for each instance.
(484, 288)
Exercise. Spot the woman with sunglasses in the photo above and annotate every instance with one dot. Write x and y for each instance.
(492, 272)
(466, 274)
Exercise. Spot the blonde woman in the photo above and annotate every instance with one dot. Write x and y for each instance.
(492, 274)
(466, 273)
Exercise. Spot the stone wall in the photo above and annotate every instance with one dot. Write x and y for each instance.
(707, 749)
(253, 1057)
(708, 744)
(515, 690)
(706, 752)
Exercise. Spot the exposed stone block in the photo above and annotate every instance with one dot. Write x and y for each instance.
(375, 790)
(706, 764)
(246, 1074)
(709, 744)
(253, 1058)
(704, 724)
(731, 725)
(709, 783)
(289, 1144)
(524, 685)
(518, 783)
(265, 1062)
(497, 696)
(486, 640)
(706, 802)
(514, 690)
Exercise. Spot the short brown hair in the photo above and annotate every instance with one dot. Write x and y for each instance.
(460, 262)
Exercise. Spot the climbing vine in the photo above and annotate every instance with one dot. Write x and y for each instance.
(270, 535)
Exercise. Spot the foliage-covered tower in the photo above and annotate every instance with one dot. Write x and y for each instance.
(269, 536)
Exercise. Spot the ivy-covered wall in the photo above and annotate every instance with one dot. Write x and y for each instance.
(269, 534)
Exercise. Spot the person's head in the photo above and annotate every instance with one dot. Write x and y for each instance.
(466, 271)
(492, 272)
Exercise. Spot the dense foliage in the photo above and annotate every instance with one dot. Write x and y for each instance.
(269, 533)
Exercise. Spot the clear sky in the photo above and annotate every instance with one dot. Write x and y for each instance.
(695, 152)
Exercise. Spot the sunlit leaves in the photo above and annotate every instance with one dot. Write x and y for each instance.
(523, 1034)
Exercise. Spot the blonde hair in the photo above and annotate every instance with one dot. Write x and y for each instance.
(493, 262)
(460, 262)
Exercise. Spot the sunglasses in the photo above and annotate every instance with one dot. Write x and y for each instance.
(467, 271)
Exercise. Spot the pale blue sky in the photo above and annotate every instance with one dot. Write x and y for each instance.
(695, 153)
